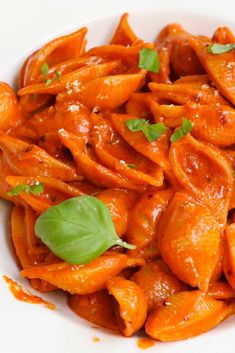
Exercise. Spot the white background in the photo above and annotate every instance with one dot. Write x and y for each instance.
(26, 328)
(53, 13)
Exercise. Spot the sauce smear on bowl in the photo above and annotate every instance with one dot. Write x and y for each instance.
(25, 296)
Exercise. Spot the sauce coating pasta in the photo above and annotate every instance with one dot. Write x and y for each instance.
(148, 130)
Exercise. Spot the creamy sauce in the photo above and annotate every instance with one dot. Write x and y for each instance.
(145, 343)
(25, 296)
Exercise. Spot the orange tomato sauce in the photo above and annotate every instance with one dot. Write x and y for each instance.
(145, 343)
(25, 296)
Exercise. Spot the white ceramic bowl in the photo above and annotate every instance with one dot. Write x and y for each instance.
(26, 328)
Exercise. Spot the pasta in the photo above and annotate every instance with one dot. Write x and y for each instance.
(139, 137)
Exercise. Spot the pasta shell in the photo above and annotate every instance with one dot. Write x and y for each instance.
(223, 35)
(83, 279)
(182, 58)
(33, 102)
(66, 114)
(229, 254)
(163, 76)
(203, 171)
(144, 215)
(181, 94)
(124, 34)
(117, 155)
(217, 66)
(218, 269)
(60, 49)
(69, 80)
(148, 252)
(96, 308)
(26, 159)
(131, 304)
(139, 105)
(55, 191)
(90, 167)
(128, 55)
(156, 151)
(4, 187)
(221, 290)
(109, 92)
(119, 202)
(157, 282)
(188, 239)
(213, 123)
(10, 112)
(20, 240)
(185, 315)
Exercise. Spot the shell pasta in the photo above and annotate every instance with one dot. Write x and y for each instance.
(119, 161)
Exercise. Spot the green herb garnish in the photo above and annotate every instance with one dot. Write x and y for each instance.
(48, 81)
(151, 131)
(185, 128)
(148, 59)
(154, 131)
(57, 75)
(217, 48)
(36, 189)
(78, 230)
(132, 166)
(136, 124)
(45, 70)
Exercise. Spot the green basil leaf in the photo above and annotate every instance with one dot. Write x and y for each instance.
(185, 128)
(29, 189)
(48, 81)
(44, 70)
(178, 134)
(78, 230)
(151, 131)
(148, 59)
(18, 189)
(146, 132)
(57, 75)
(36, 189)
(155, 131)
(132, 166)
(136, 124)
(217, 48)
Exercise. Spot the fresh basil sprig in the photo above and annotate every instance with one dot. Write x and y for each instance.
(148, 59)
(78, 230)
(151, 131)
(185, 128)
(36, 189)
(217, 48)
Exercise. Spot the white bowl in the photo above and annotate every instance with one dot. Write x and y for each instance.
(26, 328)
